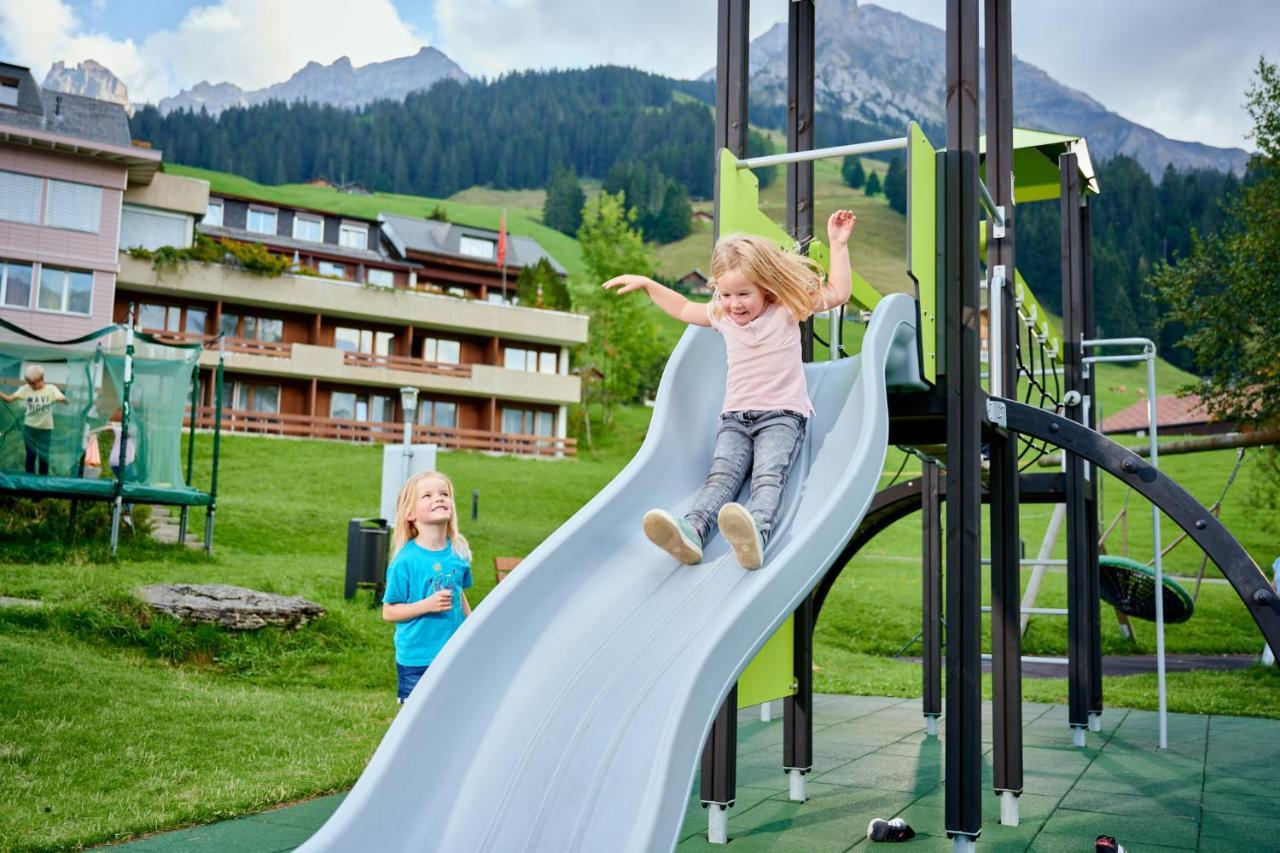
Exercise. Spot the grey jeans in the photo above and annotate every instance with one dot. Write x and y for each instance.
(763, 444)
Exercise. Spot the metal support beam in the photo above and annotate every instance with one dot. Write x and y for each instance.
(931, 585)
(797, 710)
(720, 752)
(1079, 673)
(800, 44)
(803, 155)
(1090, 331)
(964, 426)
(1006, 557)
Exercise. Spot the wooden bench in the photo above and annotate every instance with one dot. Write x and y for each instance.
(502, 566)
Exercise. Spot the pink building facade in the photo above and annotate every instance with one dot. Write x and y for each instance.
(65, 163)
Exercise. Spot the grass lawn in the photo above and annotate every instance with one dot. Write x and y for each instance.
(115, 724)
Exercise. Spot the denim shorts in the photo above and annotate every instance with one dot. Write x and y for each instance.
(407, 678)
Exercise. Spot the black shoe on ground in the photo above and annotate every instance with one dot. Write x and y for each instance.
(1107, 844)
(890, 830)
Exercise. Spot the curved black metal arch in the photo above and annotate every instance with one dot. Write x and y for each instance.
(1188, 513)
(899, 501)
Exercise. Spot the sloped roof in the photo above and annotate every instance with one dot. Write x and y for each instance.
(445, 238)
(1172, 412)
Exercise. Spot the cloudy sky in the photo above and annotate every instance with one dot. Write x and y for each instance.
(1179, 66)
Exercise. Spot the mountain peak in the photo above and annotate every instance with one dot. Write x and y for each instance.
(338, 84)
(88, 78)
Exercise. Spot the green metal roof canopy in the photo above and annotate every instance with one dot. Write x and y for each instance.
(1035, 164)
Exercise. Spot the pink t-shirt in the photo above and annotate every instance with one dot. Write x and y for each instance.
(765, 369)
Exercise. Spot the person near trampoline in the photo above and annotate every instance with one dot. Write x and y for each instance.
(430, 569)
(125, 470)
(37, 427)
(761, 295)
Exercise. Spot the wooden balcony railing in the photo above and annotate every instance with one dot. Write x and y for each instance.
(400, 362)
(249, 346)
(305, 426)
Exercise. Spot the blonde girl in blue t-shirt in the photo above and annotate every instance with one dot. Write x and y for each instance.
(430, 568)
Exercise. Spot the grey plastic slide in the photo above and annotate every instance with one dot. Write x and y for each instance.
(569, 712)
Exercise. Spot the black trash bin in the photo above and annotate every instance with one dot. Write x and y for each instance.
(367, 540)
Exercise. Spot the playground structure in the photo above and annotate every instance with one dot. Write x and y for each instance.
(112, 373)
(568, 712)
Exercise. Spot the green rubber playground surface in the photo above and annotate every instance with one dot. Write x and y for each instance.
(1214, 789)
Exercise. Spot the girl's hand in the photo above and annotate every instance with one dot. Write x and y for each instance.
(628, 283)
(840, 227)
(439, 601)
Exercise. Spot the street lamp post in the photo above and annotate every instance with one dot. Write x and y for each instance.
(408, 405)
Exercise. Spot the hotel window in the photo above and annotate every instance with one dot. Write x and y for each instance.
(353, 236)
(362, 340)
(267, 329)
(309, 228)
(261, 221)
(197, 318)
(365, 408)
(330, 268)
(473, 247)
(250, 397)
(213, 213)
(381, 278)
(15, 284)
(8, 92)
(528, 422)
(528, 360)
(76, 207)
(67, 291)
(159, 318)
(20, 197)
(441, 350)
(229, 325)
(438, 413)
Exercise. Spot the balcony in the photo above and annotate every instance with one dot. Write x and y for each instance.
(304, 426)
(353, 301)
(248, 346)
(399, 362)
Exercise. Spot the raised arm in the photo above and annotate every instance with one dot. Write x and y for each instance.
(693, 313)
(840, 277)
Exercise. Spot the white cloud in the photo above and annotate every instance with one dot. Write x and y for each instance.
(249, 43)
(674, 37)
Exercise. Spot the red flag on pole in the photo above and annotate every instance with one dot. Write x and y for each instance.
(502, 240)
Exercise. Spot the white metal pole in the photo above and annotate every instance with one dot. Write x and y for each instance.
(823, 153)
(1150, 351)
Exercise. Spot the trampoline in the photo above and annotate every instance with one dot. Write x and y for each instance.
(115, 379)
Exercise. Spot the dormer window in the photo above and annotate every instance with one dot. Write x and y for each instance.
(8, 92)
(261, 220)
(309, 228)
(474, 247)
(353, 236)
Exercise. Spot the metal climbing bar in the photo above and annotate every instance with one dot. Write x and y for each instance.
(823, 153)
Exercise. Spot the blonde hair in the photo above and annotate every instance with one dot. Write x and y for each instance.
(404, 529)
(33, 373)
(787, 278)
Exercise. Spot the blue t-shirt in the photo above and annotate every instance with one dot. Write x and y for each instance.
(414, 574)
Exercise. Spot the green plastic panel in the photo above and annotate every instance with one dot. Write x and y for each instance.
(740, 213)
(770, 675)
(1035, 164)
(922, 242)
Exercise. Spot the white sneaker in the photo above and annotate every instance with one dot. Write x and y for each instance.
(739, 530)
(676, 537)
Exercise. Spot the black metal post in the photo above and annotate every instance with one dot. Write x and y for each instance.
(797, 710)
(931, 584)
(720, 753)
(719, 758)
(1006, 632)
(964, 428)
(1078, 533)
(1091, 486)
(800, 42)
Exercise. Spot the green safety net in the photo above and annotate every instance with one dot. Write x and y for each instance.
(51, 447)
